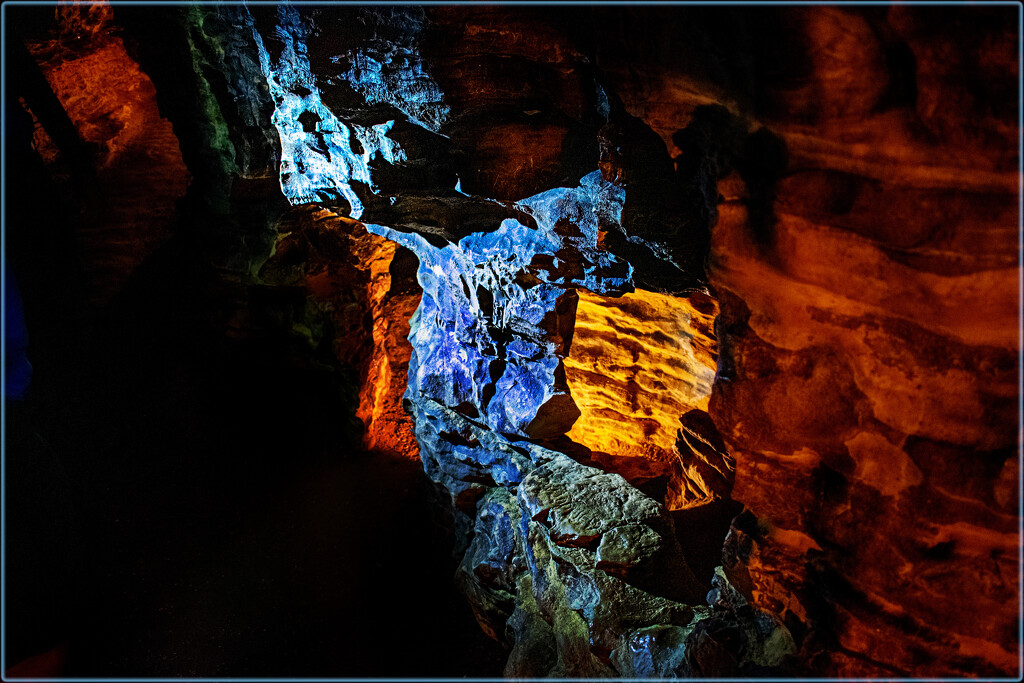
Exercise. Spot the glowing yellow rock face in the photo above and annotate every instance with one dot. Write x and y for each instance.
(636, 364)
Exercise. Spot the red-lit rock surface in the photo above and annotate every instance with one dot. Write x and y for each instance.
(867, 386)
(139, 170)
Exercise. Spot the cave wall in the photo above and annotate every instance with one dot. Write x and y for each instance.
(868, 327)
(602, 269)
(867, 381)
(117, 154)
(869, 350)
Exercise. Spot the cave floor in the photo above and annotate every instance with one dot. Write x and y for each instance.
(179, 509)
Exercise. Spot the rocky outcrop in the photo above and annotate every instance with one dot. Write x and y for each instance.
(575, 569)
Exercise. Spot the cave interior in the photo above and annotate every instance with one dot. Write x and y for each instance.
(571, 341)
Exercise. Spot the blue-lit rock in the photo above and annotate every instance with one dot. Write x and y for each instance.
(322, 158)
(395, 75)
(653, 652)
(498, 307)
(488, 572)
(579, 572)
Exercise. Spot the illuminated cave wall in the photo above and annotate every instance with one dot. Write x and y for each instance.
(138, 168)
(638, 364)
(605, 270)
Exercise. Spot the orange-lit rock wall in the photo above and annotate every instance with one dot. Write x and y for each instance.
(139, 170)
(388, 425)
(346, 273)
(868, 381)
(636, 364)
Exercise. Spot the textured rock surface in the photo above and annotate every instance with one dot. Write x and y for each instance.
(335, 288)
(585, 191)
(878, 385)
(638, 362)
(497, 312)
(112, 105)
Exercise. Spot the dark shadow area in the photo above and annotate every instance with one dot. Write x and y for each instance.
(182, 503)
(179, 506)
(700, 531)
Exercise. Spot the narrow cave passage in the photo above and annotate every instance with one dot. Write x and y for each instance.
(181, 507)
